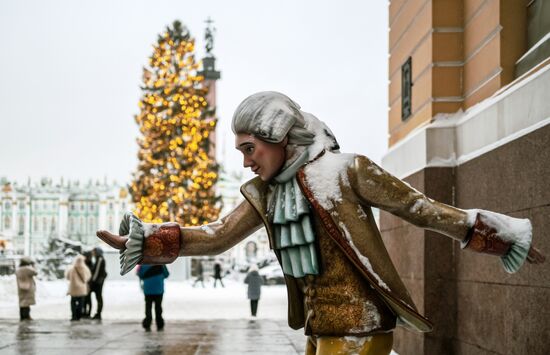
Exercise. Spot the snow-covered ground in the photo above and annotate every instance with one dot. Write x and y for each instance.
(124, 300)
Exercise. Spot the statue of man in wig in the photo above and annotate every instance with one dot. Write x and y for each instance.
(315, 204)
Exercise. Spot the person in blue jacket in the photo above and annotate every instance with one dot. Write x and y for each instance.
(152, 282)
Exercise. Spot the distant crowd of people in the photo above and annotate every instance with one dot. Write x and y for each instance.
(218, 274)
(87, 274)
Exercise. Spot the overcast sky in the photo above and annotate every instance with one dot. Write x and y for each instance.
(70, 73)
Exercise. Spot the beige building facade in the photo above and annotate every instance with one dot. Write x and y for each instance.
(469, 125)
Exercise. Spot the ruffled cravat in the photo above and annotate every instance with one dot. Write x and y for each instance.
(293, 232)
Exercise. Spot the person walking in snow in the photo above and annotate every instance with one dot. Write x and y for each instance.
(218, 273)
(98, 278)
(152, 280)
(254, 281)
(26, 287)
(316, 205)
(78, 275)
(200, 274)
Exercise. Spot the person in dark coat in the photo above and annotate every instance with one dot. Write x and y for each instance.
(218, 273)
(98, 278)
(200, 274)
(255, 282)
(152, 279)
(86, 313)
(26, 287)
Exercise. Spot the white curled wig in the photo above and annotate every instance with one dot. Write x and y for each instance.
(272, 116)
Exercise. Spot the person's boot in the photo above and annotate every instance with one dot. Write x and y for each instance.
(146, 325)
(160, 325)
(97, 316)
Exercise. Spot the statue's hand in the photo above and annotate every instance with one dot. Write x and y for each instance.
(116, 241)
(535, 256)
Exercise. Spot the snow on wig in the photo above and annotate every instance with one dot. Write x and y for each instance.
(272, 116)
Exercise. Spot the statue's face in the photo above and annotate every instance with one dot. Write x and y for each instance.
(264, 159)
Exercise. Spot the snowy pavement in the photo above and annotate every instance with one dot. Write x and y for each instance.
(196, 337)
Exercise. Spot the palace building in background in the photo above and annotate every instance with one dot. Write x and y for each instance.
(469, 125)
(32, 213)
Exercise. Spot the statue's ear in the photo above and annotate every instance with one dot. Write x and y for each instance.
(284, 142)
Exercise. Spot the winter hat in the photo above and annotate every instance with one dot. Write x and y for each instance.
(98, 251)
(25, 261)
(79, 260)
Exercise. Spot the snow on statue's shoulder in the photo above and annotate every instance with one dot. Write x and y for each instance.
(325, 175)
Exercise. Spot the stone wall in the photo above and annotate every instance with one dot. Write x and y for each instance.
(477, 307)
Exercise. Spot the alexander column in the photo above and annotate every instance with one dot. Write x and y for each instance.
(210, 76)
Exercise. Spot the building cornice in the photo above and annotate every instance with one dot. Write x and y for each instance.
(453, 139)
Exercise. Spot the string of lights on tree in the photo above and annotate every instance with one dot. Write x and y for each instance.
(175, 177)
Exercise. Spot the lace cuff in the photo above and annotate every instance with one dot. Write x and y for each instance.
(132, 227)
(497, 234)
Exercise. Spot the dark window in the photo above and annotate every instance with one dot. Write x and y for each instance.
(538, 42)
(406, 89)
(21, 225)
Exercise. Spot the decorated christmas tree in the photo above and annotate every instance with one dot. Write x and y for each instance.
(176, 174)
